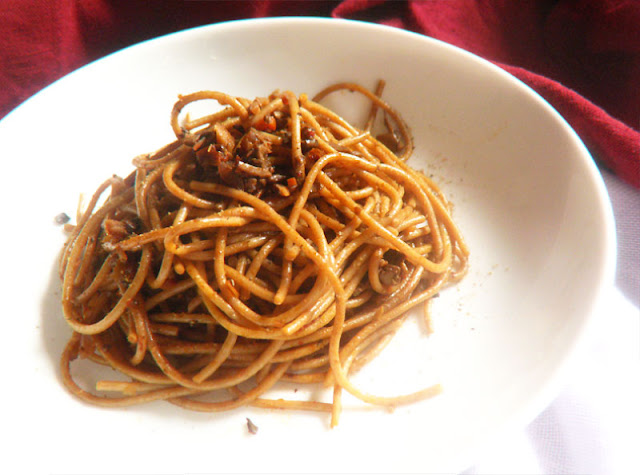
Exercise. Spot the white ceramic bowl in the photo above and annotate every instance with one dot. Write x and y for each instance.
(527, 197)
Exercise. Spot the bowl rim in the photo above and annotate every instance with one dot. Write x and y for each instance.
(606, 275)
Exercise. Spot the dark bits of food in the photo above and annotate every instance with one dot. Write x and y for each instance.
(62, 218)
(257, 156)
(251, 427)
(390, 275)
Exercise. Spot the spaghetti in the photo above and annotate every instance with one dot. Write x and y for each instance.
(270, 241)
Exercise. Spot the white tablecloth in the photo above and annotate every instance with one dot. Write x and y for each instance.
(593, 426)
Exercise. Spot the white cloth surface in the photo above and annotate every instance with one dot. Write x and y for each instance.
(593, 425)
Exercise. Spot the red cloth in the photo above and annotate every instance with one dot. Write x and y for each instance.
(582, 56)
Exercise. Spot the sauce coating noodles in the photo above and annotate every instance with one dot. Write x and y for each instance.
(271, 241)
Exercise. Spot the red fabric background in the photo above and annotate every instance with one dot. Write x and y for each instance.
(583, 56)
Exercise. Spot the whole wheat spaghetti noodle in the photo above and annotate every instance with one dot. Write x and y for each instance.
(270, 241)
